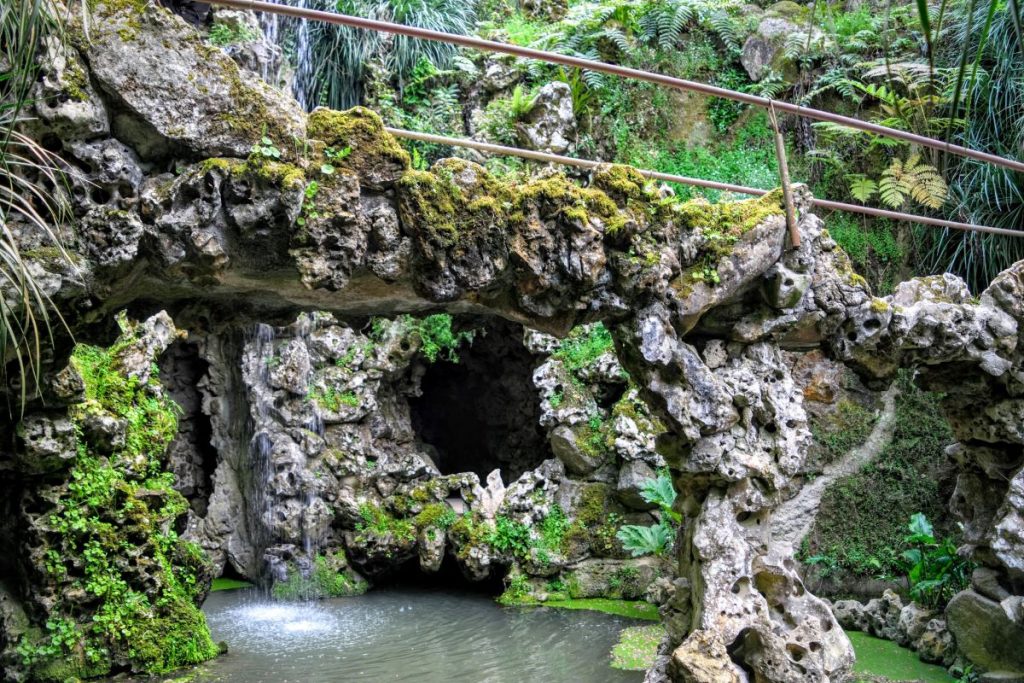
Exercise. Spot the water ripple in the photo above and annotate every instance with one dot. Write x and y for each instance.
(426, 636)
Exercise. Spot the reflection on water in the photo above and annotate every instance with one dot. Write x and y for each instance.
(414, 634)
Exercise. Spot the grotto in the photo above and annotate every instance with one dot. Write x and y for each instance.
(293, 356)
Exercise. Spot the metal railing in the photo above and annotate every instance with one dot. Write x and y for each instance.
(696, 182)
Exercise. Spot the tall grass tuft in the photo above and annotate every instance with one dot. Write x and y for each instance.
(985, 39)
(30, 199)
(339, 53)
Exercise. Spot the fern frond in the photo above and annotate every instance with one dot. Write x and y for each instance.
(862, 188)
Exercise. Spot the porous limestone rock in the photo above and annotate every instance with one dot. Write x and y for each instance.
(549, 125)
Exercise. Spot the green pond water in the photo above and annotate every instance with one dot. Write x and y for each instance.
(884, 658)
(428, 635)
(408, 634)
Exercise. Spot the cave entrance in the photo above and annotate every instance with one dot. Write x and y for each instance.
(483, 412)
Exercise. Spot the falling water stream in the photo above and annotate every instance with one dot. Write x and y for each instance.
(426, 635)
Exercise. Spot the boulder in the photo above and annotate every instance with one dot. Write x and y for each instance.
(985, 634)
(550, 125)
(215, 109)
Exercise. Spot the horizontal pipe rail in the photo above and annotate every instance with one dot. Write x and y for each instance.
(696, 182)
(603, 67)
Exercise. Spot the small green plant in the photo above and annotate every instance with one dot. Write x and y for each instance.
(437, 337)
(265, 149)
(222, 35)
(333, 400)
(641, 540)
(935, 571)
(333, 156)
(584, 345)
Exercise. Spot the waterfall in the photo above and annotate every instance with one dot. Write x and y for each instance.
(258, 350)
(281, 488)
(293, 37)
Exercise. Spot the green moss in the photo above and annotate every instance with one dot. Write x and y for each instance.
(633, 609)
(224, 584)
(328, 579)
(734, 218)
(584, 345)
(620, 182)
(444, 212)
(249, 115)
(879, 305)
(438, 515)
(76, 81)
(377, 522)
(637, 647)
(362, 131)
(879, 657)
(119, 501)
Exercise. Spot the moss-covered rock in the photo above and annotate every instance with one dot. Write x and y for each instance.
(372, 153)
(126, 587)
(215, 110)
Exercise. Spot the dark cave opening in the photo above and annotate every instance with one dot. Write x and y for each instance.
(483, 412)
(448, 577)
(191, 455)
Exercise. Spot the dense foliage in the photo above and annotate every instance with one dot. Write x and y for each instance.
(30, 183)
(860, 528)
(120, 502)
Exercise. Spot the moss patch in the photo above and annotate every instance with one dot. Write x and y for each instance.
(119, 502)
(637, 647)
(877, 657)
(360, 130)
(633, 609)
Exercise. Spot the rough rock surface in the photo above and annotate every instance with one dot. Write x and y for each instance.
(922, 630)
(549, 125)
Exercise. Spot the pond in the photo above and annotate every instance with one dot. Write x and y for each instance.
(427, 635)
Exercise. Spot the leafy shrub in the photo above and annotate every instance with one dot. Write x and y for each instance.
(935, 571)
(645, 540)
(510, 536)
